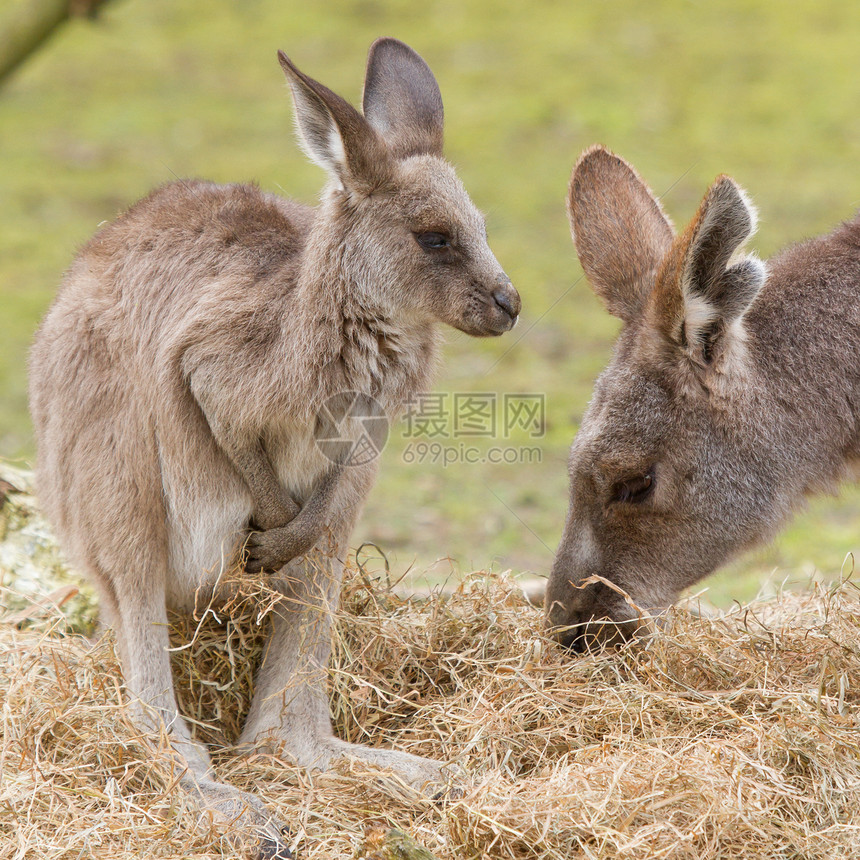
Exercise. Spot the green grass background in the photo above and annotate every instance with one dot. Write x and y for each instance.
(157, 89)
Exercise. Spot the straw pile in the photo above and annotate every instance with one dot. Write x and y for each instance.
(734, 737)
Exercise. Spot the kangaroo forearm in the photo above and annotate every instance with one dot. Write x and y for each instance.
(319, 504)
(275, 547)
(272, 505)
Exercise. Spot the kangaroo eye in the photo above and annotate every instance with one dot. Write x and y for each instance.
(634, 491)
(432, 241)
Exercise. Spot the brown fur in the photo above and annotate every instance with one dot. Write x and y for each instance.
(176, 380)
(639, 234)
(733, 393)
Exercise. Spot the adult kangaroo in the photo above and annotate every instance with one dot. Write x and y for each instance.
(733, 393)
(178, 378)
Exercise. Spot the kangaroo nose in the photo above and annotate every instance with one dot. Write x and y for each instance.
(508, 299)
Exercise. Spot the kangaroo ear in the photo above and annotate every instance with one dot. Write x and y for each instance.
(334, 134)
(402, 99)
(713, 294)
(619, 229)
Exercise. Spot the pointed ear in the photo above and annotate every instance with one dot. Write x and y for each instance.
(713, 294)
(334, 134)
(619, 229)
(402, 99)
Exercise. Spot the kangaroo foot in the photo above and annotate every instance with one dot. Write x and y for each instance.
(250, 826)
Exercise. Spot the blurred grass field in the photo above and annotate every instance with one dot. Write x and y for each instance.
(685, 90)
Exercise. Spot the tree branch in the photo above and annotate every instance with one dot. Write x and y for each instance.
(29, 24)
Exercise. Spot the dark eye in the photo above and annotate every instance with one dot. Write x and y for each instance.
(634, 491)
(432, 241)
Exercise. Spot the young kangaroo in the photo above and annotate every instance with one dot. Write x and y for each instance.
(176, 383)
(733, 392)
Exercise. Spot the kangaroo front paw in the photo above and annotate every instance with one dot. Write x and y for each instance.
(271, 550)
(264, 551)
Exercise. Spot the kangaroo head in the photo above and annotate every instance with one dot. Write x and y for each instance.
(667, 481)
(401, 228)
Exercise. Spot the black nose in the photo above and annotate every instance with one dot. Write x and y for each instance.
(573, 639)
(508, 299)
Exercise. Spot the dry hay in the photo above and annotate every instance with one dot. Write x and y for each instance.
(715, 738)
(733, 737)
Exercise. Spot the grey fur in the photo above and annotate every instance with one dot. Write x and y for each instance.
(730, 397)
(174, 389)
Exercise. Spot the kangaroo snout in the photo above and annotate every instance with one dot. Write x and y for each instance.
(508, 299)
(586, 615)
(489, 308)
(504, 307)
